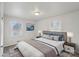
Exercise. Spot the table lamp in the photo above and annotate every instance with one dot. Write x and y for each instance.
(70, 35)
(40, 33)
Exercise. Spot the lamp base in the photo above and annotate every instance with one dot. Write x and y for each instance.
(69, 39)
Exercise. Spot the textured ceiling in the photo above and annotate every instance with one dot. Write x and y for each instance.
(46, 9)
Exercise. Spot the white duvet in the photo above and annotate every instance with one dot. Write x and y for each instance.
(28, 50)
(57, 44)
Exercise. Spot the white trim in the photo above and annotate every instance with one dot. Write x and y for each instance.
(2, 29)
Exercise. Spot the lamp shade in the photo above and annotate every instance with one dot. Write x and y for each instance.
(40, 33)
(69, 34)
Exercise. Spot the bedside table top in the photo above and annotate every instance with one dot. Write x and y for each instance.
(38, 36)
(69, 44)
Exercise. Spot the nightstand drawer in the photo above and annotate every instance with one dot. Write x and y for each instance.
(69, 49)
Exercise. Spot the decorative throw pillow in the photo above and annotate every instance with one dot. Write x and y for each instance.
(61, 38)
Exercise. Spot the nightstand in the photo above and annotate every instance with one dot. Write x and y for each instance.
(69, 47)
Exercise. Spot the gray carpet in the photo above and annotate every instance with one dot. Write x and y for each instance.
(66, 54)
(11, 52)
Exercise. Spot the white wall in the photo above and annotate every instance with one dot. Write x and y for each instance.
(25, 35)
(70, 23)
(0, 28)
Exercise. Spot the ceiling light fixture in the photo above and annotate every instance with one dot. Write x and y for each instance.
(36, 13)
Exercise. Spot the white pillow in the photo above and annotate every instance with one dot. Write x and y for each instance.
(56, 38)
(46, 36)
(52, 37)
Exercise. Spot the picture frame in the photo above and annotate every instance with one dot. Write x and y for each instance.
(29, 27)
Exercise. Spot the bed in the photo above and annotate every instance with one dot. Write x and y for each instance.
(43, 46)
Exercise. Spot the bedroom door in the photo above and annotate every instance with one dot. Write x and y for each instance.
(1, 29)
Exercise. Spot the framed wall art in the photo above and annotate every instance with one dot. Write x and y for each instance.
(29, 27)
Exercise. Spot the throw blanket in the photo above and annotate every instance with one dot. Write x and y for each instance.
(46, 50)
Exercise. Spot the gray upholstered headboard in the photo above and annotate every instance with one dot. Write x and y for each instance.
(56, 33)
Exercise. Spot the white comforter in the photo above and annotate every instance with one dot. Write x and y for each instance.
(57, 44)
(28, 50)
